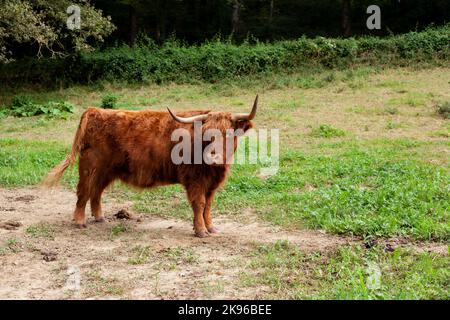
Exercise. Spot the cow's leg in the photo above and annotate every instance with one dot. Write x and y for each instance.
(209, 197)
(96, 206)
(97, 187)
(197, 200)
(83, 196)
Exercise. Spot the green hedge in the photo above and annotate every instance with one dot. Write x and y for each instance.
(217, 60)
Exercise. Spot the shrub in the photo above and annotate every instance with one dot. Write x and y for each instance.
(443, 110)
(109, 101)
(24, 106)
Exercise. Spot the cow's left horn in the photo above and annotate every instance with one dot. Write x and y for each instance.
(200, 117)
(247, 116)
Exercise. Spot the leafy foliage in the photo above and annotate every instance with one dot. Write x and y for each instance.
(216, 60)
(109, 101)
(23, 106)
(42, 26)
(443, 109)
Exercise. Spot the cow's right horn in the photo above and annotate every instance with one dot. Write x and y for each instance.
(200, 117)
(247, 116)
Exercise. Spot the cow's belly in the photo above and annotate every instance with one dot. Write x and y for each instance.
(143, 178)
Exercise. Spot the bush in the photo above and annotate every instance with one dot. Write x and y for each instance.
(216, 60)
(109, 101)
(443, 110)
(24, 106)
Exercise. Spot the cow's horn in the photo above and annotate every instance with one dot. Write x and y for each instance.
(200, 117)
(247, 116)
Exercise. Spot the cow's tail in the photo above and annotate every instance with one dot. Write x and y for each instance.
(56, 173)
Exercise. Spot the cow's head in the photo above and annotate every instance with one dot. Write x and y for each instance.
(220, 131)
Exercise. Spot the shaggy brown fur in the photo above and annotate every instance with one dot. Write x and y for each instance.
(135, 147)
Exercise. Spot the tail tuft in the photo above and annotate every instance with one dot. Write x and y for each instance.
(56, 173)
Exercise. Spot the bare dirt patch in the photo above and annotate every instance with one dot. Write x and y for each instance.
(147, 257)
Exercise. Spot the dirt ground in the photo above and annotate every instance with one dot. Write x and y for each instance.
(148, 257)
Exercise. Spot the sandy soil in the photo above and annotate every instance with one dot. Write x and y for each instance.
(44, 257)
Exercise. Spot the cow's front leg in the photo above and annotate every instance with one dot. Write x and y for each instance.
(197, 200)
(209, 197)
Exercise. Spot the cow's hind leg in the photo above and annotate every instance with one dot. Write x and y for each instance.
(83, 196)
(97, 187)
(197, 200)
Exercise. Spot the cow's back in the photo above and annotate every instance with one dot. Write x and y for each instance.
(134, 146)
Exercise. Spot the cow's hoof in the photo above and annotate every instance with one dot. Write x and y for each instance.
(81, 225)
(213, 230)
(201, 234)
(100, 219)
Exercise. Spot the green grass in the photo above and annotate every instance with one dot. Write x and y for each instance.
(327, 131)
(367, 191)
(41, 230)
(117, 230)
(359, 191)
(355, 159)
(178, 254)
(170, 258)
(95, 284)
(330, 177)
(393, 125)
(411, 99)
(141, 254)
(391, 110)
(350, 272)
(25, 162)
(444, 131)
(11, 245)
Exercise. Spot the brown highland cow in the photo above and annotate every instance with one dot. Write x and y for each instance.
(136, 147)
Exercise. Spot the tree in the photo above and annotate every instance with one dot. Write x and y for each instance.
(236, 16)
(40, 26)
(346, 22)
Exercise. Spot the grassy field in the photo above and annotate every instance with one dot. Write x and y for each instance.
(363, 153)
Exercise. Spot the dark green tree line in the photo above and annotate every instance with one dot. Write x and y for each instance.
(197, 20)
(38, 27)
